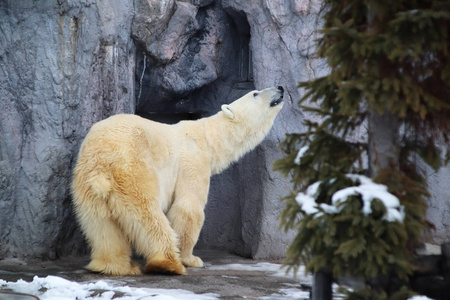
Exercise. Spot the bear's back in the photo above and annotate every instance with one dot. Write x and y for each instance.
(127, 137)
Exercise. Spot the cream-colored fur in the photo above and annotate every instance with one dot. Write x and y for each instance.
(145, 184)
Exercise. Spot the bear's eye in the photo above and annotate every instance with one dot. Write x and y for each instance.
(255, 94)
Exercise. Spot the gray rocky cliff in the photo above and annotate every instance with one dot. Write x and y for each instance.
(63, 66)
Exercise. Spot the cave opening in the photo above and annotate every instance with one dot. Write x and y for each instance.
(214, 67)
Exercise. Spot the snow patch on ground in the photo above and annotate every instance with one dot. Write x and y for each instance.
(274, 270)
(288, 294)
(57, 288)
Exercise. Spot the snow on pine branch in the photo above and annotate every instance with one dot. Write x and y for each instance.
(300, 154)
(367, 189)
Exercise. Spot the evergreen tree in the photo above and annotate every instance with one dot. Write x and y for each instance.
(390, 73)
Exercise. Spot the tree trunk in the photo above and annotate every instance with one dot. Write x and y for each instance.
(383, 141)
(322, 285)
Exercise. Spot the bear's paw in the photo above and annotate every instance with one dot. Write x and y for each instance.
(116, 269)
(165, 266)
(192, 261)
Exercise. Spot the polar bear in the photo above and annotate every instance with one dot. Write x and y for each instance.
(143, 183)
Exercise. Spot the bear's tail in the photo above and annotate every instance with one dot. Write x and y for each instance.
(100, 185)
(89, 184)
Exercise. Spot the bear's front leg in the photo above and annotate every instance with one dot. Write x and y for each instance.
(187, 223)
(186, 217)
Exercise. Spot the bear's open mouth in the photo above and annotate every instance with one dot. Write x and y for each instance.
(276, 102)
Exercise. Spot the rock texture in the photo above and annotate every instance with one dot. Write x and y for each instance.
(438, 205)
(63, 66)
(177, 57)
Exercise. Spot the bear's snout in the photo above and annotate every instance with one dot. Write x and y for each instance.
(278, 100)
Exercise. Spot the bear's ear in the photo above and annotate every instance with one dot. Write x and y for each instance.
(227, 111)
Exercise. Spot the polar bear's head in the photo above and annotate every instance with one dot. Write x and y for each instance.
(256, 108)
(242, 125)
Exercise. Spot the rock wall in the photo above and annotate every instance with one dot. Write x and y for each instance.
(438, 205)
(63, 66)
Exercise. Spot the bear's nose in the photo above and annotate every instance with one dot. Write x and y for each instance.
(281, 88)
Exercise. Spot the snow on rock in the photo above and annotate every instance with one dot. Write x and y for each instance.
(367, 189)
(57, 288)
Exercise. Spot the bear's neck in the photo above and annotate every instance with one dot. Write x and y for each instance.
(228, 141)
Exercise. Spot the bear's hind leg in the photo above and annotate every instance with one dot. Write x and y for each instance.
(111, 250)
(150, 232)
